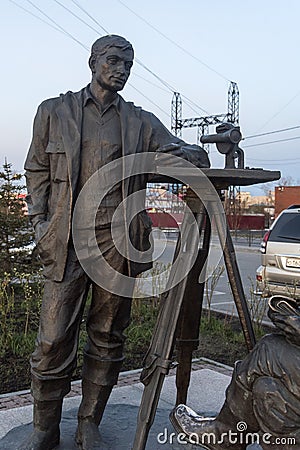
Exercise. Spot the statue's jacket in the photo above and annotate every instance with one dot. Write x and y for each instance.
(53, 165)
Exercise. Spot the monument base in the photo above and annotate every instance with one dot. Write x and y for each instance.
(117, 430)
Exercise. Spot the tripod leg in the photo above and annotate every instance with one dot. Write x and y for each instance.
(234, 277)
(157, 360)
(189, 322)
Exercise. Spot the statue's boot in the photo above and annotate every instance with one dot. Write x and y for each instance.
(227, 429)
(208, 432)
(46, 419)
(91, 409)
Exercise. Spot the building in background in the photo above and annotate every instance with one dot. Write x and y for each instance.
(286, 196)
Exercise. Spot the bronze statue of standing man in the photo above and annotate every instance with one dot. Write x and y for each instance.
(75, 135)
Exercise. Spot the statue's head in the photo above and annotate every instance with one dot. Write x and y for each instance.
(101, 45)
(111, 61)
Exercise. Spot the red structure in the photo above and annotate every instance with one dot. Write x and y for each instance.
(236, 222)
(165, 219)
(286, 196)
(246, 222)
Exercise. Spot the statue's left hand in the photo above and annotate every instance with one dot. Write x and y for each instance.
(192, 153)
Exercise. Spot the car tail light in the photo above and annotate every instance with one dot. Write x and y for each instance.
(263, 245)
(259, 278)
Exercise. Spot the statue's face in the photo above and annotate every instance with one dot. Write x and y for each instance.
(112, 69)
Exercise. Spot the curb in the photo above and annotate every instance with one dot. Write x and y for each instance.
(24, 398)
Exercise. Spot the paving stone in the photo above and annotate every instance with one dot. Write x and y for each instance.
(126, 378)
(120, 417)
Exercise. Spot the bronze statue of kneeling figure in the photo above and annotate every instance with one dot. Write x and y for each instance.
(263, 398)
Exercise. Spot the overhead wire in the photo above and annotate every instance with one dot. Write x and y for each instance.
(218, 73)
(75, 15)
(271, 132)
(272, 142)
(90, 16)
(155, 104)
(274, 160)
(38, 17)
(279, 163)
(106, 31)
(150, 82)
(190, 102)
(56, 24)
(173, 42)
(167, 85)
(60, 29)
(276, 114)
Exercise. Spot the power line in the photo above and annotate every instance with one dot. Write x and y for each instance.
(150, 82)
(97, 31)
(55, 23)
(77, 17)
(274, 160)
(279, 163)
(190, 102)
(267, 162)
(167, 85)
(94, 29)
(38, 17)
(157, 106)
(66, 33)
(173, 42)
(59, 28)
(276, 114)
(272, 142)
(90, 16)
(271, 132)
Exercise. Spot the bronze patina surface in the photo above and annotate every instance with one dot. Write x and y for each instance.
(263, 398)
(75, 135)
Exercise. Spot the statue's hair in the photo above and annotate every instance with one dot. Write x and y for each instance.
(101, 45)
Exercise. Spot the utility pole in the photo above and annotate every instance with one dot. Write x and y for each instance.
(176, 114)
(203, 123)
(233, 103)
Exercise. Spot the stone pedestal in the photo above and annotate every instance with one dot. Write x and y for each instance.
(117, 429)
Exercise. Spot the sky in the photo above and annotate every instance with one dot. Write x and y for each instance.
(195, 48)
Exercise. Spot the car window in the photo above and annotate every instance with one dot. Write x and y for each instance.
(286, 229)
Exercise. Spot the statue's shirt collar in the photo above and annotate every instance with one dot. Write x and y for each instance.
(88, 97)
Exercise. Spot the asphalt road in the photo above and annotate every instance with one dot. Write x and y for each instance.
(220, 299)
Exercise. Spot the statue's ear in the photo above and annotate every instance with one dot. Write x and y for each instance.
(92, 62)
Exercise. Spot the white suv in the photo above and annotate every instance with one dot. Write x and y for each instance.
(280, 248)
